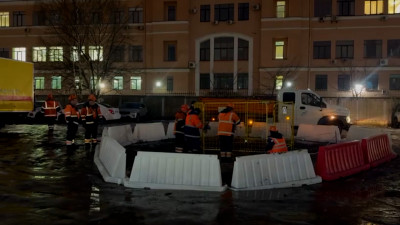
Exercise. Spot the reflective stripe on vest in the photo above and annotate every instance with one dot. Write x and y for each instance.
(225, 127)
(279, 146)
(50, 111)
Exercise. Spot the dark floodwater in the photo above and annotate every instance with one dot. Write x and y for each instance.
(40, 183)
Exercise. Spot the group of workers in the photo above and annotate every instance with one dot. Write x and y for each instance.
(90, 116)
(188, 125)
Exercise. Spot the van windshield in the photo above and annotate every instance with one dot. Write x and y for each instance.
(311, 99)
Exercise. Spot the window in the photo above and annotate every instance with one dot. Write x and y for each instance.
(205, 12)
(39, 82)
(321, 82)
(373, 7)
(394, 82)
(19, 18)
(136, 83)
(54, 17)
(96, 53)
(39, 18)
(322, 8)
(170, 51)
(118, 83)
(170, 11)
(280, 49)
(205, 81)
(223, 12)
(394, 48)
(136, 53)
(344, 49)
(343, 82)
(278, 82)
(371, 82)
(243, 11)
(19, 54)
(223, 81)
(205, 51)
(170, 84)
(56, 82)
(242, 81)
(56, 54)
(345, 7)
(393, 6)
(311, 99)
(118, 17)
(223, 48)
(97, 18)
(136, 15)
(243, 49)
(39, 54)
(4, 52)
(93, 82)
(117, 55)
(280, 9)
(373, 49)
(77, 83)
(76, 53)
(4, 19)
(322, 50)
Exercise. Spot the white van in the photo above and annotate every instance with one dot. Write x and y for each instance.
(310, 108)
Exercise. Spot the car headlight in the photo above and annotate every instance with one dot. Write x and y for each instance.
(348, 120)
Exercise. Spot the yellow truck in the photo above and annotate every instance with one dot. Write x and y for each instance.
(16, 90)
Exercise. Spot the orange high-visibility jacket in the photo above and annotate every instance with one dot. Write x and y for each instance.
(226, 122)
(279, 146)
(50, 108)
(90, 114)
(71, 113)
(180, 118)
(192, 126)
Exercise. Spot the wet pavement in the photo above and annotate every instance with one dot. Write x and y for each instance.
(41, 183)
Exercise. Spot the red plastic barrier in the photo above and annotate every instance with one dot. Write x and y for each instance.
(377, 150)
(340, 160)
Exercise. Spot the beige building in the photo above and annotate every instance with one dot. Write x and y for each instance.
(204, 47)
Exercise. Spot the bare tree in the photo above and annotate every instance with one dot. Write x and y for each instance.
(283, 72)
(93, 34)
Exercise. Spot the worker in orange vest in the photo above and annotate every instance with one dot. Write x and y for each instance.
(192, 131)
(71, 112)
(227, 122)
(180, 119)
(50, 108)
(91, 115)
(275, 142)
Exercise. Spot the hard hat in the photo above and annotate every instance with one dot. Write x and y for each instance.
(92, 97)
(50, 96)
(72, 97)
(230, 104)
(273, 128)
(184, 108)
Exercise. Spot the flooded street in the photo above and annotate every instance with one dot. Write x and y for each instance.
(40, 183)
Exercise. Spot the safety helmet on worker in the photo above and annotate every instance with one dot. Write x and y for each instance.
(273, 129)
(50, 96)
(72, 97)
(230, 105)
(184, 108)
(91, 97)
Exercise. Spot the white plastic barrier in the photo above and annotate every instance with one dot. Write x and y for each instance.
(179, 171)
(359, 132)
(149, 132)
(284, 128)
(259, 129)
(266, 171)
(318, 133)
(170, 130)
(110, 159)
(213, 131)
(122, 134)
(240, 130)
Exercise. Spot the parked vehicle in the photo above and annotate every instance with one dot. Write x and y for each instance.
(38, 117)
(109, 112)
(133, 110)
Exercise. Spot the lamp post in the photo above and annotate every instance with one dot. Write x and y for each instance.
(357, 91)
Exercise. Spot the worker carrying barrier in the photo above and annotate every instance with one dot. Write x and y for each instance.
(267, 171)
(149, 132)
(340, 160)
(377, 150)
(110, 159)
(177, 171)
(122, 134)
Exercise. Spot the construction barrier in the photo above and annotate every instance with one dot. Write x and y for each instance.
(267, 171)
(122, 134)
(170, 130)
(377, 150)
(340, 160)
(176, 171)
(318, 133)
(110, 159)
(149, 132)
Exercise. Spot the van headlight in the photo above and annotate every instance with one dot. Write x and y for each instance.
(348, 120)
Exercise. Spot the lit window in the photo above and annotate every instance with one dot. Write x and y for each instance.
(93, 82)
(136, 83)
(39, 82)
(77, 83)
(56, 54)
(19, 54)
(4, 19)
(75, 53)
(280, 51)
(118, 83)
(56, 82)
(373, 7)
(96, 53)
(278, 82)
(280, 9)
(39, 54)
(393, 6)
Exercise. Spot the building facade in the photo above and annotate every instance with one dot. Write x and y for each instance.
(339, 48)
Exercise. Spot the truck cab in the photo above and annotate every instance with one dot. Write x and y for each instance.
(310, 108)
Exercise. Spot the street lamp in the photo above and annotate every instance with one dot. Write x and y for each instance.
(289, 84)
(158, 84)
